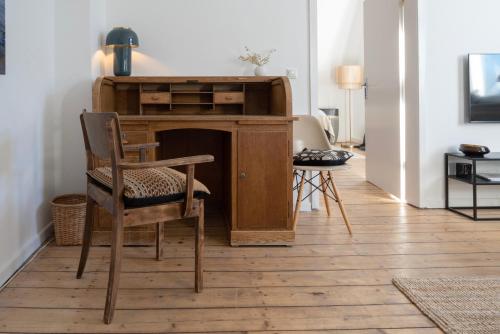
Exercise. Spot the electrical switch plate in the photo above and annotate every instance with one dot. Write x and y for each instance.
(291, 73)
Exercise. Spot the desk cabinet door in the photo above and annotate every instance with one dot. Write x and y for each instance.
(263, 175)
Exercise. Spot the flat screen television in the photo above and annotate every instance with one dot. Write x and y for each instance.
(484, 88)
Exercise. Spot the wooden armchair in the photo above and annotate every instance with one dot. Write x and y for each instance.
(136, 193)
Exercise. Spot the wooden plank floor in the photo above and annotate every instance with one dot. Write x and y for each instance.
(329, 282)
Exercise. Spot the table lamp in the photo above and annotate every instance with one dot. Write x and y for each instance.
(350, 77)
(122, 40)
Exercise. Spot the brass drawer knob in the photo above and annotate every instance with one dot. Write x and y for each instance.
(243, 175)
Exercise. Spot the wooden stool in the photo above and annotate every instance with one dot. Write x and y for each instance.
(327, 187)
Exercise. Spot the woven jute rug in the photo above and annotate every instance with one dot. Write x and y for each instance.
(456, 305)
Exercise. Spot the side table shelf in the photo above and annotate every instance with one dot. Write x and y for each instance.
(474, 180)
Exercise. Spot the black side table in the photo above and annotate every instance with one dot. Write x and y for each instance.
(473, 180)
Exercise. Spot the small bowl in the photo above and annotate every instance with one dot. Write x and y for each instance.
(474, 150)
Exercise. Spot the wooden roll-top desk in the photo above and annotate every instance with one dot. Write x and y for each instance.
(245, 122)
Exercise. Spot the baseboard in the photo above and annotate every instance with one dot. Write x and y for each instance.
(357, 140)
(25, 253)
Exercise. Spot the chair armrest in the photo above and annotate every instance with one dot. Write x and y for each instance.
(138, 147)
(197, 159)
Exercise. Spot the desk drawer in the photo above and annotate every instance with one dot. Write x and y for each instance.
(135, 137)
(127, 126)
(155, 98)
(229, 98)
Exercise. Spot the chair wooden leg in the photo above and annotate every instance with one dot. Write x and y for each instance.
(114, 268)
(159, 240)
(199, 247)
(87, 236)
(341, 204)
(299, 199)
(324, 188)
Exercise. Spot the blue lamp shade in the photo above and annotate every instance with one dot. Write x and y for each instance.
(122, 40)
(122, 37)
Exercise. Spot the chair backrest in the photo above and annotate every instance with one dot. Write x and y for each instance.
(308, 133)
(102, 135)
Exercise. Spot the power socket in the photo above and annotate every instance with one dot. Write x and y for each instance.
(292, 73)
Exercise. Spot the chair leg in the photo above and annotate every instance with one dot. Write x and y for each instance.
(199, 248)
(324, 188)
(299, 199)
(159, 240)
(114, 268)
(341, 204)
(87, 236)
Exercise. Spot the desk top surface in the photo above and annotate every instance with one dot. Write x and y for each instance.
(209, 118)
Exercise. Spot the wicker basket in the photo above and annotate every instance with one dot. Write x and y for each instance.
(68, 216)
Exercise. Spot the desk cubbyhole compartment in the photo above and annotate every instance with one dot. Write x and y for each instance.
(257, 98)
(229, 109)
(192, 98)
(191, 88)
(126, 99)
(155, 88)
(229, 88)
(191, 109)
(155, 109)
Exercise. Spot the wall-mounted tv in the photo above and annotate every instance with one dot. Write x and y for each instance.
(484, 88)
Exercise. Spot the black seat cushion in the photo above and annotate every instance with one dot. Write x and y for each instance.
(150, 186)
(321, 157)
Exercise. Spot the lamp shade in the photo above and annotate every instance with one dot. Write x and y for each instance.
(350, 76)
(122, 37)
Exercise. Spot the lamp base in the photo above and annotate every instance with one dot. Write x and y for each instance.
(122, 66)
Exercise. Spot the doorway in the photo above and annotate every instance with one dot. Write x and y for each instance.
(340, 42)
(372, 34)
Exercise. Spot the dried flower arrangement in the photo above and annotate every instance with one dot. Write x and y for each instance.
(257, 58)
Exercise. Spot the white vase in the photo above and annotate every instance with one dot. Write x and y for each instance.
(260, 71)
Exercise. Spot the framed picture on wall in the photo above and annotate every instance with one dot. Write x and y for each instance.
(2, 36)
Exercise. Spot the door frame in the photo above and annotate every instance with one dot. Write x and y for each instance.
(313, 55)
(314, 202)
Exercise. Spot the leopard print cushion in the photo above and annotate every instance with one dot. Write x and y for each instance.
(321, 157)
(149, 186)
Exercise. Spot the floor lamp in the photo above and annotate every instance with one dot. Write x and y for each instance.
(350, 77)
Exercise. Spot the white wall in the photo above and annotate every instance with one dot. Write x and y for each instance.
(449, 30)
(199, 37)
(51, 64)
(340, 42)
(78, 26)
(27, 132)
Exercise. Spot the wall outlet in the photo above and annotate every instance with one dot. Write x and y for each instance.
(292, 73)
